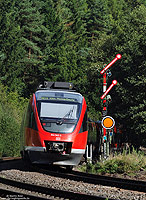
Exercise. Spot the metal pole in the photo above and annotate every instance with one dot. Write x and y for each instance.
(104, 113)
(108, 145)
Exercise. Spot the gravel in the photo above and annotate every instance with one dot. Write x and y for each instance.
(71, 185)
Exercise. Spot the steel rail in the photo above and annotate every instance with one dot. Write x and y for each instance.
(121, 183)
(8, 159)
(50, 191)
(129, 184)
(9, 194)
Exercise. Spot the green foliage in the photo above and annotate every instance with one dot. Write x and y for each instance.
(11, 109)
(128, 38)
(124, 163)
(130, 92)
(97, 18)
(62, 40)
(34, 38)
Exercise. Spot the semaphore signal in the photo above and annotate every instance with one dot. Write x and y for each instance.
(114, 82)
(118, 56)
(107, 121)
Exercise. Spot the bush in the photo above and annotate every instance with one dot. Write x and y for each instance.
(124, 163)
(11, 109)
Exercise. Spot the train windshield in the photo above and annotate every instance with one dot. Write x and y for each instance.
(59, 113)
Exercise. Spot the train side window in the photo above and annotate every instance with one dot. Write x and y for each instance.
(31, 119)
(33, 124)
(84, 123)
(27, 116)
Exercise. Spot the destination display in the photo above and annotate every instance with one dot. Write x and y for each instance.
(58, 99)
(58, 96)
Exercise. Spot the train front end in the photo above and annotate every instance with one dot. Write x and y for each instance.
(55, 127)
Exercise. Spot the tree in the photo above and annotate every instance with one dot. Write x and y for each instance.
(9, 31)
(130, 93)
(97, 18)
(68, 45)
(33, 36)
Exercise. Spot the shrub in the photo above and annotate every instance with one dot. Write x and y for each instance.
(123, 163)
(11, 109)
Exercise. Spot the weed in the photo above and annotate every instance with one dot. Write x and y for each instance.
(126, 162)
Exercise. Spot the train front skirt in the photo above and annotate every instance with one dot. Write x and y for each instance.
(39, 155)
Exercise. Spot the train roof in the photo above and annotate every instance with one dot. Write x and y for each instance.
(58, 91)
(46, 85)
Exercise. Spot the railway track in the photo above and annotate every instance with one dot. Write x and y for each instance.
(50, 193)
(128, 184)
(3, 159)
(132, 185)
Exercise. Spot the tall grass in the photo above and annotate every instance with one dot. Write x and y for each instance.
(123, 163)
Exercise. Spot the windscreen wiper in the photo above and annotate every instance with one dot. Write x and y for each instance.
(67, 115)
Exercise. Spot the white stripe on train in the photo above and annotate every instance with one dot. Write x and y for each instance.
(31, 148)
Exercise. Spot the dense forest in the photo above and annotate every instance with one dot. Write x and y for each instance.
(62, 40)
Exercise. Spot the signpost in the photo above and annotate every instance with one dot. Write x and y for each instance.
(107, 121)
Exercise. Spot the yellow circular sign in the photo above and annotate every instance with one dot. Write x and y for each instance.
(108, 122)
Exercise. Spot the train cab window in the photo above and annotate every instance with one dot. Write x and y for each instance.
(60, 113)
(58, 110)
(59, 117)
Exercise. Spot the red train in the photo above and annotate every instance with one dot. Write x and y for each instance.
(54, 128)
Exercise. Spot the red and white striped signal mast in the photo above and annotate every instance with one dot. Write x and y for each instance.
(105, 91)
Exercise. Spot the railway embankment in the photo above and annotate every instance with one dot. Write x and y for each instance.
(131, 165)
(16, 170)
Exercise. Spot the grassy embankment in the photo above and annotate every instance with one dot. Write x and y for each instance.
(125, 163)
